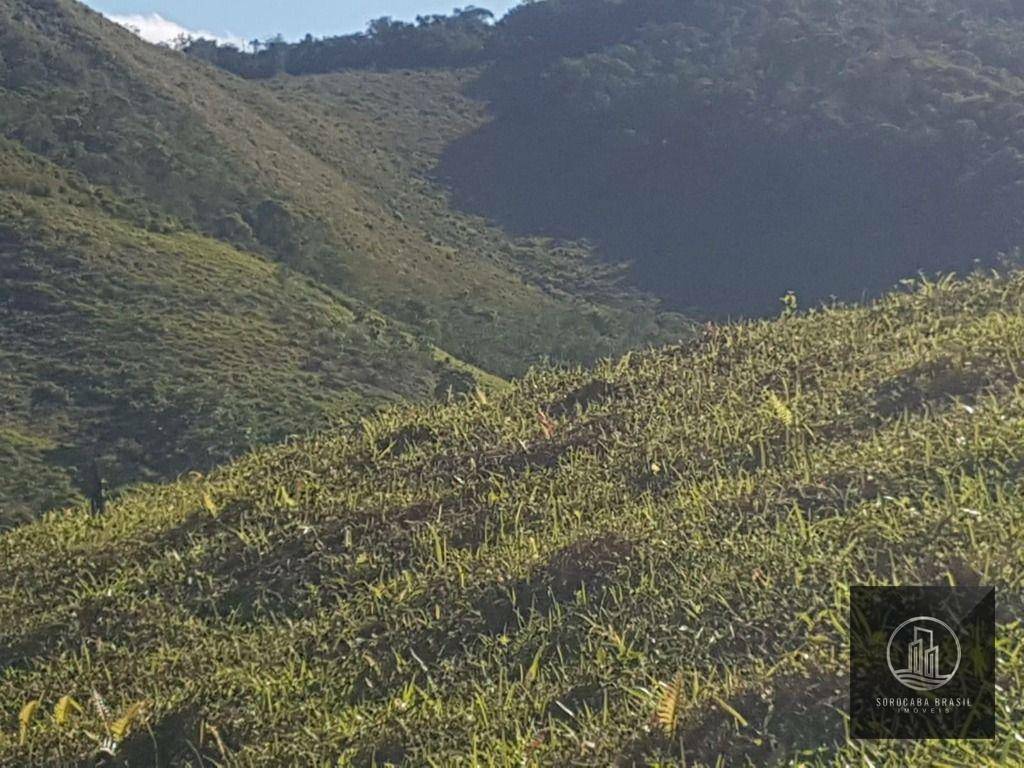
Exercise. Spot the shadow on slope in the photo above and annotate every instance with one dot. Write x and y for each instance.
(722, 220)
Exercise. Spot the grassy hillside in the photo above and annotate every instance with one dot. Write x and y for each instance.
(518, 579)
(193, 264)
(156, 352)
(304, 182)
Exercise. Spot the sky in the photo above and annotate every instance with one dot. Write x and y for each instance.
(238, 21)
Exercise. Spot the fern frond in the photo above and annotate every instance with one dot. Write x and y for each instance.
(120, 728)
(666, 716)
(101, 707)
(108, 746)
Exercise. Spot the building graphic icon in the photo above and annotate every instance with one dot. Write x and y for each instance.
(923, 654)
(924, 670)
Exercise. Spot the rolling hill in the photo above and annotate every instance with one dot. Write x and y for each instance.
(192, 264)
(334, 188)
(645, 563)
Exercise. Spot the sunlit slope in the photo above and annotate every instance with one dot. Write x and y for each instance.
(313, 268)
(321, 184)
(159, 352)
(516, 578)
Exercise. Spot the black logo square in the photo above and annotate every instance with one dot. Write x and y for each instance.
(922, 662)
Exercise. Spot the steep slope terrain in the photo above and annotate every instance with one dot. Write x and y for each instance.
(499, 303)
(646, 563)
(153, 353)
(296, 180)
(193, 264)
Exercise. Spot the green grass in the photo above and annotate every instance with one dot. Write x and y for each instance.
(515, 578)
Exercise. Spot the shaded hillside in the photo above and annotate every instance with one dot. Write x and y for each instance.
(159, 352)
(518, 579)
(735, 151)
(500, 303)
(732, 151)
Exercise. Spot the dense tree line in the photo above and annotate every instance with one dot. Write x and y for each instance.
(432, 41)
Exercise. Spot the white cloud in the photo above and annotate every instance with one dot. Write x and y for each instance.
(154, 28)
